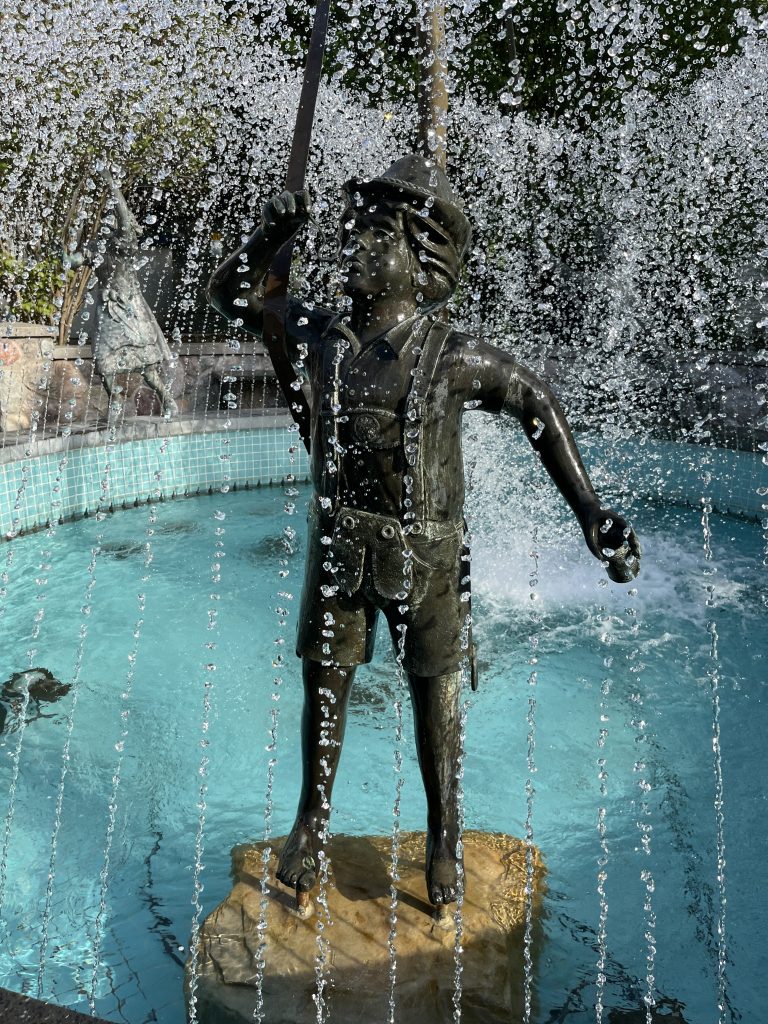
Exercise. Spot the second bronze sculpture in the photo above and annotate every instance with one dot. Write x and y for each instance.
(389, 384)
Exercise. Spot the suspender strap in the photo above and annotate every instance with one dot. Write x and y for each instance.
(338, 359)
(432, 346)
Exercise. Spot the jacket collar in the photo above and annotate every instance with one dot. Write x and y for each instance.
(395, 339)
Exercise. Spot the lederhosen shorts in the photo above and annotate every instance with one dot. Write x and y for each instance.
(361, 563)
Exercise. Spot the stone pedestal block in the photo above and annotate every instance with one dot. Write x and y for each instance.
(26, 353)
(356, 929)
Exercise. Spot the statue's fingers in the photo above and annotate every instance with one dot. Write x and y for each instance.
(630, 564)
(268, 215)
(611, 531)
(620, 572)
(630, 538)
(279, 206)
(288, 199)
(305, 201)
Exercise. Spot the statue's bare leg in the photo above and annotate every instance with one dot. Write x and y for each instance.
(326, 695)
(436, 716)
(154, 378)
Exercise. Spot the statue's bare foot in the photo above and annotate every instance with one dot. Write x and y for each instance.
(297, 866)
(442, 865)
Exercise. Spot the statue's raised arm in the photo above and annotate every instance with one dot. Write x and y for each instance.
(236, 287)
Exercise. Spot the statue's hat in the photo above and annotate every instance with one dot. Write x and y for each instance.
(415, 180)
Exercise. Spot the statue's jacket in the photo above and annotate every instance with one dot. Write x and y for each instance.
(386, 456)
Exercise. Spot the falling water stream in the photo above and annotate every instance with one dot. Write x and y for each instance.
(458, 914)
(603, 858)
(24, 704)
(394, 860)
(104, 876)
(282, 613)
(46, 567)
(530, 788)
(209, 668)
(74, 686)
(645, 812)
(714, 672)
(120, 744)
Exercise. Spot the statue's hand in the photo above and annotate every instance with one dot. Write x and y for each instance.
(611, 539)
(283, 215)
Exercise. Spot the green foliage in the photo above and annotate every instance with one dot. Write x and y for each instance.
(573, 60)
(547, 57)
(28, 288)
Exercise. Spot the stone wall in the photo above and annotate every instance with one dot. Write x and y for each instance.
(26, 359)
(45, 387)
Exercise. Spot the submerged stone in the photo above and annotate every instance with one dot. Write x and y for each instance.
(122, 549)
(181, 526)
(358, 967)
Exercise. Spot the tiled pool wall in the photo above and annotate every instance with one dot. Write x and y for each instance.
(66, 484)
(672, 473)
(60, 485)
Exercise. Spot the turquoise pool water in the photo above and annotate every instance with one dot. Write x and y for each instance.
(656, 717)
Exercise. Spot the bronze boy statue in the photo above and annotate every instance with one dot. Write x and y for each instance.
(389, 384)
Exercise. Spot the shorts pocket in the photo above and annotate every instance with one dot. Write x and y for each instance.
(440, 554)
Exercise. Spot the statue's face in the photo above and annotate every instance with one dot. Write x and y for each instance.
(375, 255)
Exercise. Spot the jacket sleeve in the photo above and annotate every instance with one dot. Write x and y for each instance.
(495, 382)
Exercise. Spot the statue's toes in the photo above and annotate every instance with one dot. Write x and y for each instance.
(442, 881)
(298, 873)
(285, 876)
(288, 871)
(305, 882)
(439, 895)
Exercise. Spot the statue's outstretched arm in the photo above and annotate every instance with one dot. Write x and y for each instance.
(236, 287)
(608, 535)
(125, 219)
(127, 225)
(531, 402)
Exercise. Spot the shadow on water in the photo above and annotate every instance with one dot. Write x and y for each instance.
(621, 987)
(181, 526)
(674, 1016)
(161, 924)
